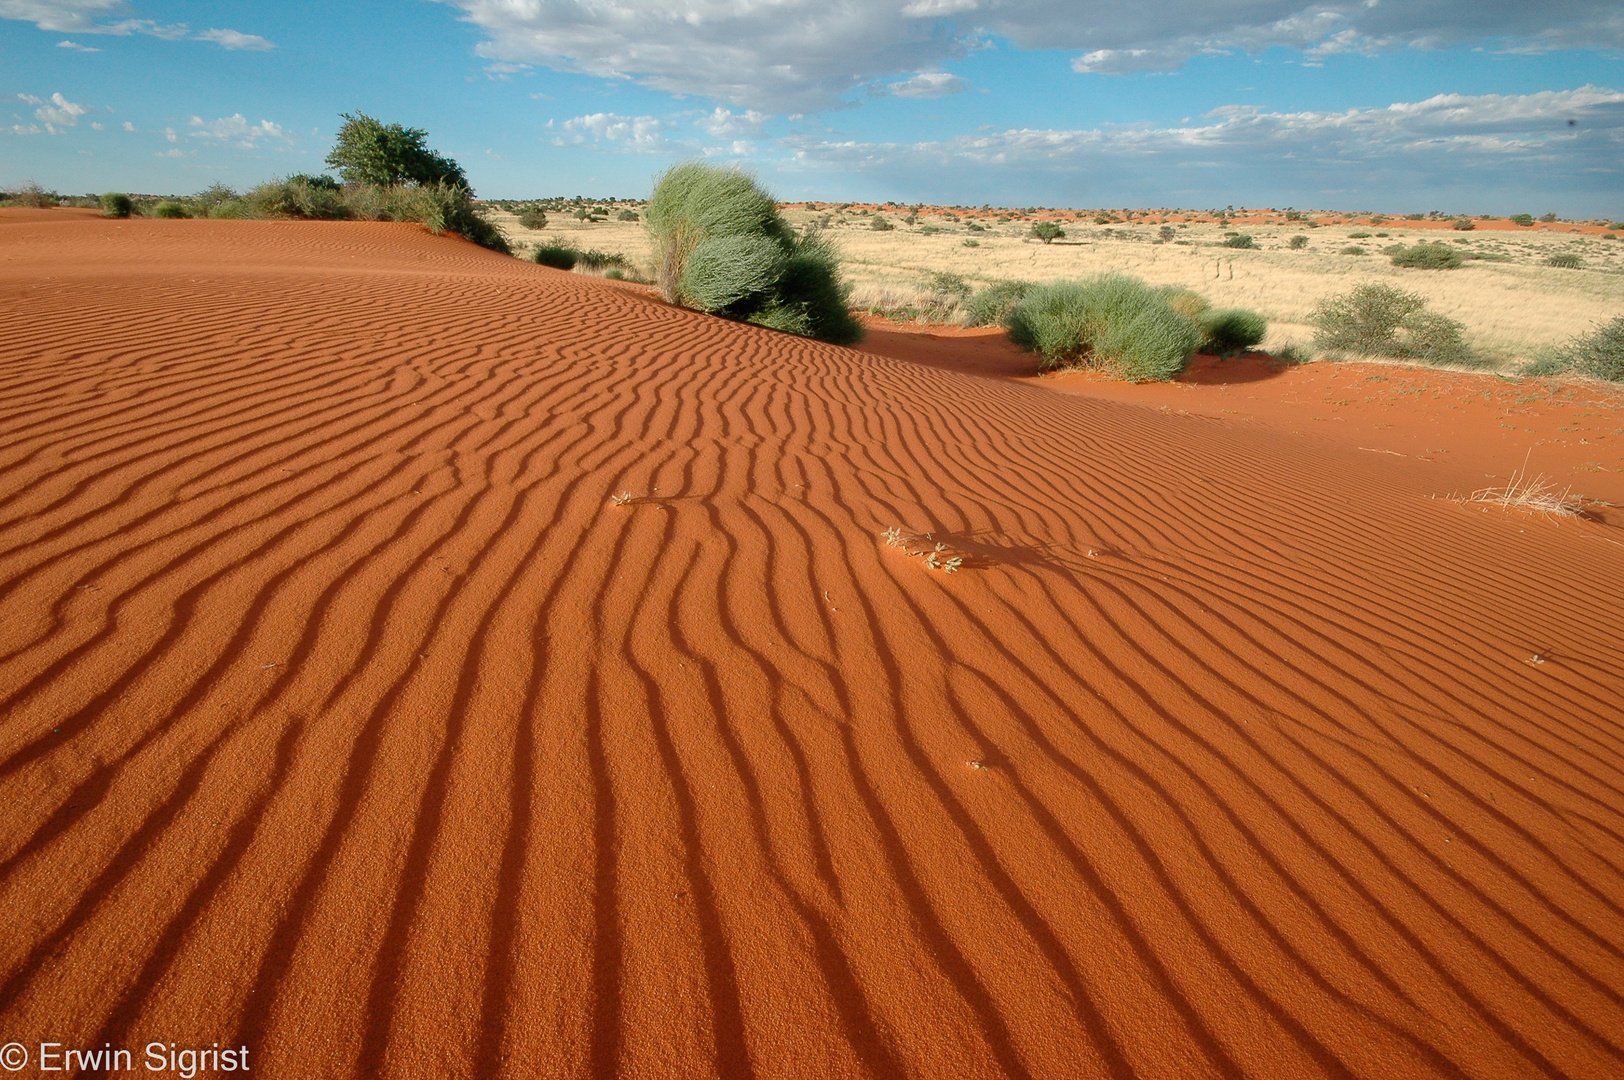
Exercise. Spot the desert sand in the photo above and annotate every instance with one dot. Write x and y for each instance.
(345, 716)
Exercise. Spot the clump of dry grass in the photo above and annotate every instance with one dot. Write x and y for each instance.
(1533, 494)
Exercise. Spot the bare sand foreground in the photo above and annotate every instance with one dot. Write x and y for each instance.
(342, 715)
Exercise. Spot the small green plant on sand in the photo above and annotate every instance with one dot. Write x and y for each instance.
(1110, 322)
(532, 217)
(1229, 331)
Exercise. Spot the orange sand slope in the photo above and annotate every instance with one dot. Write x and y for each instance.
(344, 717)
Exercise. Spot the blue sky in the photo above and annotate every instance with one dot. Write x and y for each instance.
(1473, 106)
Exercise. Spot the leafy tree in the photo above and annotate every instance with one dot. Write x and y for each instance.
(370, 152)
(1046, 231)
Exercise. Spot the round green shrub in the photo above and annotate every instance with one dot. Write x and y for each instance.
(991, 306)
(116, 204)
(1464, 224)
(1243, 240)
(1379, 320)
(1297, 243)
(1046, 231)
(533, 217)
(1111, 322)
(1565, 260)
(1353, 249)
(169, 208)
(557, 256)
(1522, 219)
(1600, 353)
(881, 223)
(1229, 331)
(1428, 257)
(720, 242)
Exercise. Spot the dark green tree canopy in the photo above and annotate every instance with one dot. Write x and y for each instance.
(370, 152)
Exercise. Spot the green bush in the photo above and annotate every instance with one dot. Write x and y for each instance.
(1166, 232)
(216, 194)
(626, 215)
(881, 223)
(1046, 231)
(1243, 240)
(557, 256)
(1522, 219)
(1464, 224)
(1428, 257)
(721, 246)
(1379, 320)
(533, 217)
(1228, 331)
(1297, 243)
(441, 207)
(1599, 353)
(1353, 249)
(296, 197)
(991, 306)
(369, 152)
(116, 204)
(1565, 260)
(1549, 218)
(169, 208)
(1111, 322)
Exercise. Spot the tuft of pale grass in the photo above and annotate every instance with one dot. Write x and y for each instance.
(1533, 494)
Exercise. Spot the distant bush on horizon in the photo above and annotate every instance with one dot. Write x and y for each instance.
(1427, 257)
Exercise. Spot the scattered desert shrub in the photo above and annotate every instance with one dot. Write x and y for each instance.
(1297, 243)
(385, 155)
(881, 223)
(626, 215)
(1228, 331)
(602, 262)
(116, 204)
(1166, 232)
(720, 246)
(1358, 236)
(32, 195)
(1046, 231)
(1241, 240)
(557, 256)
(1565, 260)
(970, 243)
(1464, 224)
(992, 305)
(1549, 218)
(297, 197)
(1379, 320)
(215, 195)
(1353, 249)
(169, 208)
(439, 207)
(1111, 322)
(1428, 257)
(1522, 219)
(533, 217)
(1599, 354)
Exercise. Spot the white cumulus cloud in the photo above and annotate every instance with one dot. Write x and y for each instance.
(802, 55)
(928, 84)
(235, 39)
(236, 129)
(726, 124)
(638, 134)
(59, 110)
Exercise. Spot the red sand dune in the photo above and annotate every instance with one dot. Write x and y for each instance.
(344, 717)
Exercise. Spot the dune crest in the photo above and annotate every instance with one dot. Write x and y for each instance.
(343, 715)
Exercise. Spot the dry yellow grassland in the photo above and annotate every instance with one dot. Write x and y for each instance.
(1510, 302)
